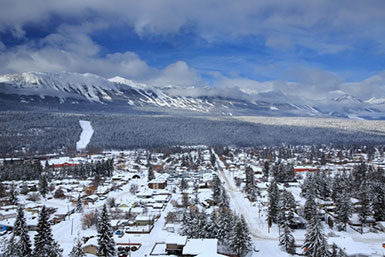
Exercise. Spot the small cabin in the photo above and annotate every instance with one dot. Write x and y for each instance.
(175, 244)
(157, 184)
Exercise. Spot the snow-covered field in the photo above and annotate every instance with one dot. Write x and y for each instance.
(85, 136)
(375, 127)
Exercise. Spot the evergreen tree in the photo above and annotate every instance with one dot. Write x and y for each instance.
(286, 239)
(315, 242)
(337, 252)
(45, 245)
(212, 228)
(364, 211)
(273, 201)
(224, 199)
(13, 194)
(217, 186)
(377, 196)
(10, 248)
(79, 205)
(307, 184)
(213, 159)
(324, 181)
(202, 225)
(240, 241)
(24, 244)
(225, 220)
(266, 170)
(20, 223)
(183, 185)
(77, 250)
(337, 187)
(43, 185)
(286, 208)
(21, 231)
(151, 174)
(187, 223)
(344, 208)
(250, 185)
(105, 235)
(310, 208)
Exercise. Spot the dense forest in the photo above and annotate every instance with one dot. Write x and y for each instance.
(47, 132)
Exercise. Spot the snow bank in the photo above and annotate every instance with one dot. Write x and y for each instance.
(85, 136)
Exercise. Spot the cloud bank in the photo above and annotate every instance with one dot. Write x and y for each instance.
(289, 30)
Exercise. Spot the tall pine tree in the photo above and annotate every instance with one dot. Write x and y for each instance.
(240, 241)
(45, 245)
(21, 231)
(12, 194)
(273, 201)
(315, 242)
(105, 235)
(43, 185)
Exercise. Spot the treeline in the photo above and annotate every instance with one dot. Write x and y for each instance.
(365, 183)
(37, 133)
(101, 168)
(20, 170)
(33, 170)
(123, 132)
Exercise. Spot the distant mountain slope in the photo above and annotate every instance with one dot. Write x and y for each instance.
(89, 92)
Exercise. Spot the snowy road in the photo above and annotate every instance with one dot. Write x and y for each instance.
(265, 242)
(85, 136)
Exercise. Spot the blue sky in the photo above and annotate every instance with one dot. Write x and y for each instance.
(321, 46)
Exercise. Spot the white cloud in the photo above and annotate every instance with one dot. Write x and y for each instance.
(179, 74)
(318, 25)
(71, 50)
(2, 46)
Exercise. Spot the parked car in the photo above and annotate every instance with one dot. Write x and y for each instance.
(119, 233)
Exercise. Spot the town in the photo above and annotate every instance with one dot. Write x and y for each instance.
(197, 201)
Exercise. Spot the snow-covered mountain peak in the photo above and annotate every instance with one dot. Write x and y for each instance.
(347, 99)
(375, 100)
(128, 82)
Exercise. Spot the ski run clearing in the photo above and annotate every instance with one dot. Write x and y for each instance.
(85, 136)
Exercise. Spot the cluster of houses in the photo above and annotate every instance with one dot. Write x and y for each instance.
(141, 205)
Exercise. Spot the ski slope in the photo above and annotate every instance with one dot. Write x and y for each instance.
(85, 136)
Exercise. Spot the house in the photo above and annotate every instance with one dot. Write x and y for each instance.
(305, 168)
(157, 184)
(201, 248)
(144, 220)
(91, 198)
(66, 164)
(91, 246)
(144, 195)
(161, 198)
(175, 244)
(4, 215)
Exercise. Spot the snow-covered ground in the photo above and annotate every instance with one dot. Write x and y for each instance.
(85, 136)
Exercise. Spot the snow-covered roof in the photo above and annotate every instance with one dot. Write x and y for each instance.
(201, 247)
(351, 247)
(178, 240)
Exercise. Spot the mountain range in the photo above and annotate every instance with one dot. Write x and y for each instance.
(66, 91)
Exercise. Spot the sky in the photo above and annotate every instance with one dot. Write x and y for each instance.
(317, 49)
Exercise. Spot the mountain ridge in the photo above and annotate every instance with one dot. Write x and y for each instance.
(67, 88)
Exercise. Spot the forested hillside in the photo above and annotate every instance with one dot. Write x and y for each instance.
(47, 132)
